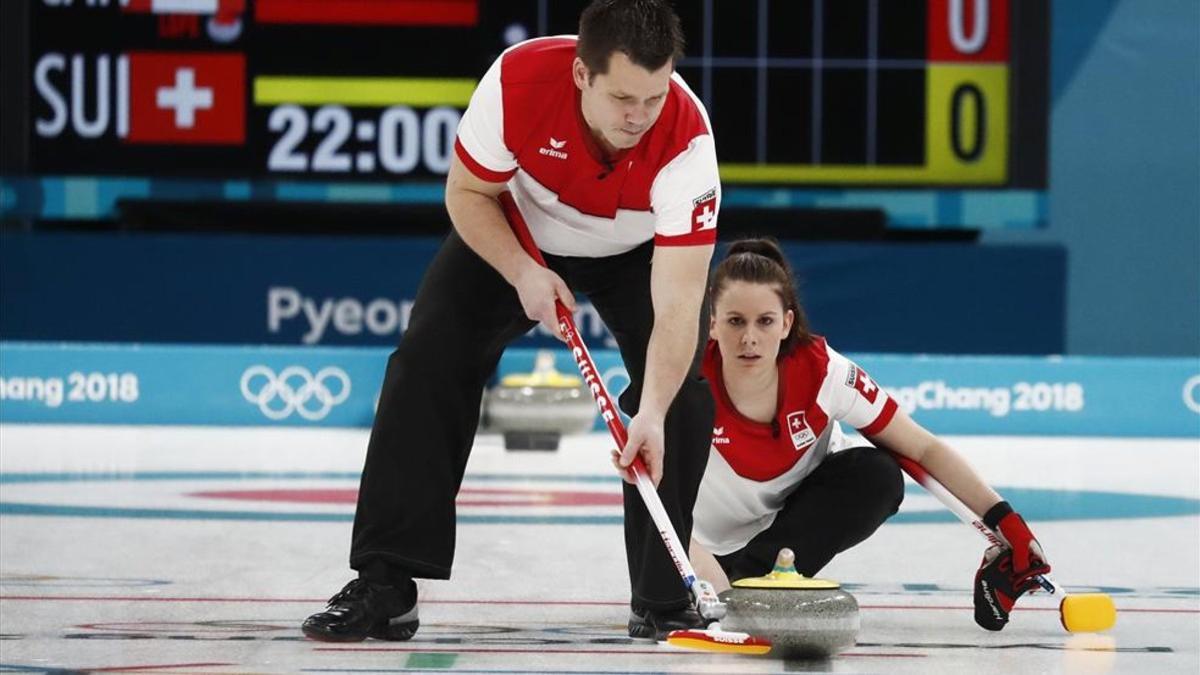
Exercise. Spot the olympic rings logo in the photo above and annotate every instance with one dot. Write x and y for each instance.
(1191, 394)
(295, 389)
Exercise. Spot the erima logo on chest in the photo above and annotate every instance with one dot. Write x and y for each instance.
(555, 149)
(719, 436)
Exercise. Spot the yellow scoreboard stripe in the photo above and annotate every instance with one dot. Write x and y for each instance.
(364, 91)
(842, 174)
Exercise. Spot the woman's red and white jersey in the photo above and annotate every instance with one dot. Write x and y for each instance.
(524, 125)
(754, 466)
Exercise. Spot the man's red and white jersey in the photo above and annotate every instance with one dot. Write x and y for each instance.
(754, 466)
(524, 125)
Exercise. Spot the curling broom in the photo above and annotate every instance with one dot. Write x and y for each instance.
(707, 603)
(1078, 612)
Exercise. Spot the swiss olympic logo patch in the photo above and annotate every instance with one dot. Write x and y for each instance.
(802, 434)
(704, 211)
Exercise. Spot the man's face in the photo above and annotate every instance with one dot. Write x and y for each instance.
(621, 105)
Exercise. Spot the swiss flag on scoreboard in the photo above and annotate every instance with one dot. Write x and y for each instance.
(187, 97)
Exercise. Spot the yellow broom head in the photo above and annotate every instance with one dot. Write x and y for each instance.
(1087, 612)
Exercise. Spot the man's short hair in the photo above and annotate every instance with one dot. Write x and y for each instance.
(647, 31)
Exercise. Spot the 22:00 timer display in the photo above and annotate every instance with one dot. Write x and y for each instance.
(334, 139)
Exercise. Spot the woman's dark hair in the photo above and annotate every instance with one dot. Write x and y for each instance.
(647, 31)
(761, 261)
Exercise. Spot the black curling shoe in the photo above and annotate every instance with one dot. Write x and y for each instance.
(364, 609)
(654, 624)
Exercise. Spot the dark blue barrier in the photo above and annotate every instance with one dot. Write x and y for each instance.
(931, 298)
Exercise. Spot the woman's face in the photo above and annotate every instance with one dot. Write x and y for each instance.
(749, 323)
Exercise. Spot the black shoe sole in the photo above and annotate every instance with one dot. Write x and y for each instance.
(641, 630)
(314, 633)
(644, 632)
(392, 633)
(644, 628)
(397, 632)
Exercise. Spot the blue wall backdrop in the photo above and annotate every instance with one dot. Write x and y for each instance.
(943, 298)
(1125, 174)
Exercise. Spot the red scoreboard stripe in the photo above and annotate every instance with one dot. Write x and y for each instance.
(376, 12)
(223, 7)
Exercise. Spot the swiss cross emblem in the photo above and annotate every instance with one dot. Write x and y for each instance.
(704, 211)
(802, 434)
(186, 97)
(863, 383)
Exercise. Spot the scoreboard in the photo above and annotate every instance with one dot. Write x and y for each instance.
(913, 92)
(801, 93)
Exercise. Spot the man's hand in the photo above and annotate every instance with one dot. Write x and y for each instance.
(538, 288)
(645, 440)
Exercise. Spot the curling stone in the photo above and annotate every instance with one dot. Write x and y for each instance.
(803, 618)
(533, 410)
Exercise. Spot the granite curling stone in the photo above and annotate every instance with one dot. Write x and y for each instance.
(533, 410)
(803, 618)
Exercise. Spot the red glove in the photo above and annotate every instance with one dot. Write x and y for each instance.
(1028, 559)
(995, 592)
(1006, 573)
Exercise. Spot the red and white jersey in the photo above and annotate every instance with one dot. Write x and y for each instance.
(753, 467)
(524, 125)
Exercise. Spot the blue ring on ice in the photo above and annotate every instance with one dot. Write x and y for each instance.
(1036, 504)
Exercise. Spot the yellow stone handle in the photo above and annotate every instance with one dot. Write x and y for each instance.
(784, 575)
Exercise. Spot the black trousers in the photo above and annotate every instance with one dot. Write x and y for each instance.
(841, 503)
(464, 315)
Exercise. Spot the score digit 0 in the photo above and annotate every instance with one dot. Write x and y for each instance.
(966, 131)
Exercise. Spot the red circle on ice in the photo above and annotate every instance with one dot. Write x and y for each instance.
(466, 497)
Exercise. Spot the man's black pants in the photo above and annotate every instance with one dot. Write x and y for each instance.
(464, 315)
